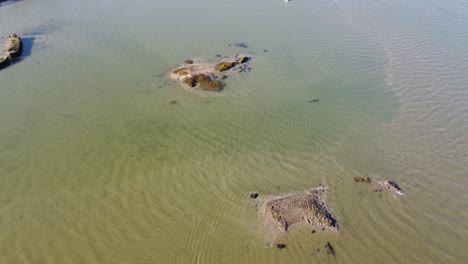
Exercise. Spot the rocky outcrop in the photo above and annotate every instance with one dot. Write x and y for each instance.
(307, 206)
(205, 76)
(13, 46)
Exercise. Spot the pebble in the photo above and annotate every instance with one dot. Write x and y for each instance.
(280, 246)
(254, 195)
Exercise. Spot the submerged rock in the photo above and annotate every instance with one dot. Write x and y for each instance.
(298, 207)
(280, 246)
(389, 185)
(330, 249)
(362, 179)
(239, 44)
(254, 195)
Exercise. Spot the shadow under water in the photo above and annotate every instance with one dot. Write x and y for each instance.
(28, 43)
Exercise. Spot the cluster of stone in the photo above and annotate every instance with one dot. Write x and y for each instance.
(205, 76)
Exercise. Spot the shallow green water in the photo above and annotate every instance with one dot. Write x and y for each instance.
(97, 165)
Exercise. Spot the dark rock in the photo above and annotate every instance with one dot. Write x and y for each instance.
(189, 61)
(190, 81)
(239, 44)
(280, 246)
(392, 186)
(173, 102)
(4, 61)
(313, 100)
(330, 250)
(243, 59)
(254, 195)
(313, 231)
(265, 50)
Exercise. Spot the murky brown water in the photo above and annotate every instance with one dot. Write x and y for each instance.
(102, 160)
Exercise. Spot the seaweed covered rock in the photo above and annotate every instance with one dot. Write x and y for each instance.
(306, 206)
(190, 81)
(204, 82)
(225, 65)
(181, 71)
(362, 179)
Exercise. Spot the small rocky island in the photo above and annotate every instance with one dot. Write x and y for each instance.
(308, 207)
(208, 76)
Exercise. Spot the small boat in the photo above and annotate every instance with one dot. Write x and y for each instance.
(13, 46)
(4, 61)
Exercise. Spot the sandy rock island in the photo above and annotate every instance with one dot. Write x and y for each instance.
(206, 76)
(308, 206)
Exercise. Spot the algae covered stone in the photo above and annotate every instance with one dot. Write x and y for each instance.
(204, 82)
(181, 71)
(225, 65)
(362, 179)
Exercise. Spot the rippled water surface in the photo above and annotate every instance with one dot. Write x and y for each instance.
(103, 160)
